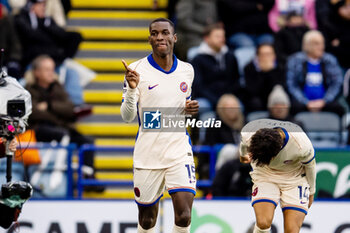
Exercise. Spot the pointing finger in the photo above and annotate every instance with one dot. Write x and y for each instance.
(126, 66)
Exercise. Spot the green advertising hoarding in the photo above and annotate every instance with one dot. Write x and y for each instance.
(333, 172)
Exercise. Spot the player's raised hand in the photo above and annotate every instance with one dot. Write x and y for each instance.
(192, 107)
(132, 77)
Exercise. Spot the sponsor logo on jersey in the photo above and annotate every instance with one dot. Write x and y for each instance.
(288, 161)
(151, 87)
(183, 86)
(152, 119)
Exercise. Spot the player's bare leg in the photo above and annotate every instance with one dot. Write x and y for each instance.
(147, 218)
(264, 212)
(182, 202)
(292, 221)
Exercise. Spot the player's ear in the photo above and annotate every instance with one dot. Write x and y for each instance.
(149, 39)
(175, 38)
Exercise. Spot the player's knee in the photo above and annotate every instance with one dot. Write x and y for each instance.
(148, 222)
(263, 223)
(183, 219)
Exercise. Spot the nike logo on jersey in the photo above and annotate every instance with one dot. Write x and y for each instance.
(151, 87)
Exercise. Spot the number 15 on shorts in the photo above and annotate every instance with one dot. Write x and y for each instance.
(191, 173)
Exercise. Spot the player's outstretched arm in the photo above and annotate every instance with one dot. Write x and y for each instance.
(128, 108)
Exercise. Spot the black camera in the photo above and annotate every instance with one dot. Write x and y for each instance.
(10, 124)
(18, 188)
(13, 196)
(16, 108)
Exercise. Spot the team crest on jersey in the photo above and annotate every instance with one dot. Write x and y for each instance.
(183, 86)
(255, 192)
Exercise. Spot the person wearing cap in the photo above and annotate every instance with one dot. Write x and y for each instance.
(278, 105)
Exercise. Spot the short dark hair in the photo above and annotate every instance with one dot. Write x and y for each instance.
(265, 44)
(265, 144)
(162, 20)
(211, 28)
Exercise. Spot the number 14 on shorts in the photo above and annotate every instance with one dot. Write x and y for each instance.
(191, 173)
(304, 193)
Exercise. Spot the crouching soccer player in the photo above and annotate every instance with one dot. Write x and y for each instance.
(283, 162)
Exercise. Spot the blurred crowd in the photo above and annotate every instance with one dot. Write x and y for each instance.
(252, 58)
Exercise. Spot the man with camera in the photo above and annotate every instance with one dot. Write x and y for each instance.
(15, 108)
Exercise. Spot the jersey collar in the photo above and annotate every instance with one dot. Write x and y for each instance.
(286, 137)
(155, 65)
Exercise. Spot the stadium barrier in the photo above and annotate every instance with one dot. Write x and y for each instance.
(81, 182)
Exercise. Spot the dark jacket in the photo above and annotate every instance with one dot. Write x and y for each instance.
(288, 40)
(9, 40)
(45, 38)
(232, 179)
(340, 30)
(259, 84)
(244, 16)
(60, 108)
(212, 81)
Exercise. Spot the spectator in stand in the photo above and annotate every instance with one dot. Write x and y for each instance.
(338, 34)
(288, 40)
(10, 42)
(261, 75)
(246, 26)
(53, 113)
(279, 12)
(216, 71)
(314, 77)
(279, 105)
(228, 110)
(193, 17)
(41, 35)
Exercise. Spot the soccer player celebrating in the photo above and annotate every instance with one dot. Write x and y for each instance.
(283, 162)
(161, 159)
